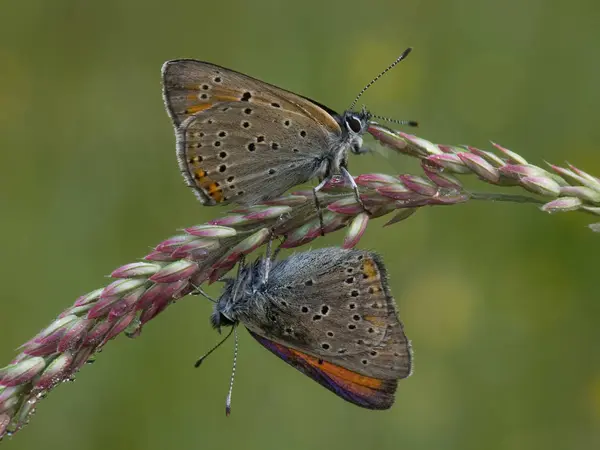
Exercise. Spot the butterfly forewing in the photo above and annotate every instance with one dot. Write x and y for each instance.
(335, 305)
(191, 86)
(230, 151)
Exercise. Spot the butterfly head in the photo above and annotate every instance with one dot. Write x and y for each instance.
(355, 125)
(223, 313)
(220, 319)
(238, 295)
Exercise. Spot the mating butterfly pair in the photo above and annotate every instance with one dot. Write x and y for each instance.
(329, 312)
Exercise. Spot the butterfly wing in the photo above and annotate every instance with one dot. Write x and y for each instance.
(195, 91)
(368, 392)
(334, 305)
(246, 152)
(190, 86)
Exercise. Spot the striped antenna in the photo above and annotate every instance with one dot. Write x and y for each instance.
(391, 66)
(410, 123)
(235, 353)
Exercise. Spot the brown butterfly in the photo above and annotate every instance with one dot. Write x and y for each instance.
(330, 314)
(244, 141)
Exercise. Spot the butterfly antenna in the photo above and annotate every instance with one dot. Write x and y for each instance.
(235, 353)
(203, 357)
(410, 123)
(391, 66)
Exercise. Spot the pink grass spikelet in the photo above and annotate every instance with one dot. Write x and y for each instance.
(418, 185)
(136, 269)
(356, 230)
(480, 167)
(346, 206)
(56, 371)
(272, 212)
(175, 271)
(211, 231)
(541, 185)
(562, 204)
(22, 372)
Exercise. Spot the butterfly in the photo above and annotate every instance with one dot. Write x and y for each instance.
(328, 313)
(241, 140)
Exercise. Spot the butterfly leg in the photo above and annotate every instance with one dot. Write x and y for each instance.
(318, 203)
(238, 280)
(199, 291)
(350, 180)
(267, 262)
(276, 252)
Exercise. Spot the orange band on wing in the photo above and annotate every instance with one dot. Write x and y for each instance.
(349, 379)
(364, 391)
(207, 103)
(197, 108)
(369, 269)
(226, 98)
(215, 192)
(210, 186)
(376, 320)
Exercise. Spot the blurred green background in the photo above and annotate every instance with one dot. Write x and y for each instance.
(500, 300)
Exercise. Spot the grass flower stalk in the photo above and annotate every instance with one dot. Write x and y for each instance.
(141, 290)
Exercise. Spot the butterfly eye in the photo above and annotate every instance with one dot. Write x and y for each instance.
(354, 124)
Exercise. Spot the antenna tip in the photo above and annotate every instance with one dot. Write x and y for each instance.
(227, 410)
(197, 364)
(413, 123)
(406, 52)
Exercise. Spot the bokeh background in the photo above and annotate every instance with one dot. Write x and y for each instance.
(501, 301)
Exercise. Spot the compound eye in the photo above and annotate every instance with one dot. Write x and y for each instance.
(354, 124)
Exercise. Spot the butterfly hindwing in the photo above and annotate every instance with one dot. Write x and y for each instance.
(231, 151)
(335, 305)
(361, 390)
